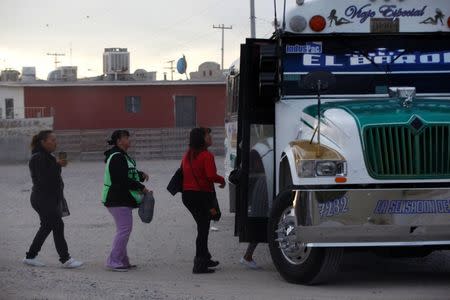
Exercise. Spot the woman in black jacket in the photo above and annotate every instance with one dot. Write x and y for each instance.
(122, 191)
(46, 199)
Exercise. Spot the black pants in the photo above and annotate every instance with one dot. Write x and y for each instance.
(198, 204)
(51, 220)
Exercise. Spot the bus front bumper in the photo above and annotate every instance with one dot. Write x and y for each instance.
(366, 216)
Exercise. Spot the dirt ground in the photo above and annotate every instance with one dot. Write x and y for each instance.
(164, 250)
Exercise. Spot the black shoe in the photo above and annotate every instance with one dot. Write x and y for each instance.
(212, 263)
(201, 266)
(203, 271)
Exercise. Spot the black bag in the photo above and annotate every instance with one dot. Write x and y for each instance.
(235, 176)
(64, 207)
(215, 204)
(176, 182)
(147, 208)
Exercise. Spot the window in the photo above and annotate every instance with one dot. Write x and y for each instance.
(133, 104)
(185, 111)
(9, 108)
(232, 94)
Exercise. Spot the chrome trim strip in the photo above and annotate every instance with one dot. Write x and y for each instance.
(379, 244)
(328, 189)
(351, 97)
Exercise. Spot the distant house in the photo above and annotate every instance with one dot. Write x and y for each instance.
(11, 101)
(129, 104)
(208, 71)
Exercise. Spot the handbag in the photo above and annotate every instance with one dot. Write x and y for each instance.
(64, 207)
(147, 208)
(214, 203)
(176, 182)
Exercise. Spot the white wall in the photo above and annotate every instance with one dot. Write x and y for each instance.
(15, 93)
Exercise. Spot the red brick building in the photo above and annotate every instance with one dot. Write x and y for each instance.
(101, 105)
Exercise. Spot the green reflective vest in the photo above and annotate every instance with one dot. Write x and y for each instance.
(132, 174)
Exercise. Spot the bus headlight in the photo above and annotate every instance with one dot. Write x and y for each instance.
(313, 168)
(325, 168)
(310, 162)
(307, 168)
(331, 168)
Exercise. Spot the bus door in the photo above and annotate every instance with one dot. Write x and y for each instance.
(255, 140)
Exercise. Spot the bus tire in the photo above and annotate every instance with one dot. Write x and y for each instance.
(295, 263)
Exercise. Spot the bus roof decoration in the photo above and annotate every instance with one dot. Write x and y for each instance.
(368, 16)
(318, 81)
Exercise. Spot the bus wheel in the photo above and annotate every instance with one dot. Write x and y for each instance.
(295, 262)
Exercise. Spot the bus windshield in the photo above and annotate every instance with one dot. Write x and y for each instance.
(366, 64)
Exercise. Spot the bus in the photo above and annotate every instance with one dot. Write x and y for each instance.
(338, 134)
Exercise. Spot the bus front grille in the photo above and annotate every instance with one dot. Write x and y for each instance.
(404, 152)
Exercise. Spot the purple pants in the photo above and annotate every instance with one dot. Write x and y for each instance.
(124, 223)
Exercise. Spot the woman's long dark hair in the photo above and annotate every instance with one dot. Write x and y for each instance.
(116, 135)
(197, 140)
(38, 138)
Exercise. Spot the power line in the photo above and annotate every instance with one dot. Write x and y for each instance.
(162, 31)
(222, 27)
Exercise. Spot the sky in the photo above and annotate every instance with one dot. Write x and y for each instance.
(153, 31)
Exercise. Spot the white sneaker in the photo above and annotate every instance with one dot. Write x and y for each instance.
(249, 264)
(213, 228)
(72, 264)
(33, 262)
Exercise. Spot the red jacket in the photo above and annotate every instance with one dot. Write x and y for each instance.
(204, 168)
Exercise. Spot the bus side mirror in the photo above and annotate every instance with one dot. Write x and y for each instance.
(318, 81)
(268, 71)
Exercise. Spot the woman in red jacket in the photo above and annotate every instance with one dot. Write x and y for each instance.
(199, 176)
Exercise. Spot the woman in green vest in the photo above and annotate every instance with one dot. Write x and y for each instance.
(122, 191)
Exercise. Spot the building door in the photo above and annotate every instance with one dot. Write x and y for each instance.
(185, 111)
(9, 108)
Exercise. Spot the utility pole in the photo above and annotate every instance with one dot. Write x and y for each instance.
(56, 57)
(71, 54)
(223, 27)
(252, 19)
(171, 68)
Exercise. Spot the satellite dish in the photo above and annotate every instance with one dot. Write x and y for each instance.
(182, 65)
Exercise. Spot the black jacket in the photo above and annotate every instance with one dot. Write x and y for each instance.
(47, 191)
(118, 194)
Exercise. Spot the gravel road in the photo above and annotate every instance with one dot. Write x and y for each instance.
(164, 250)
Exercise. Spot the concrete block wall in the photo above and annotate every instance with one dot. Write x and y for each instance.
(89, 145)
(16, 135)
(152, 143)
